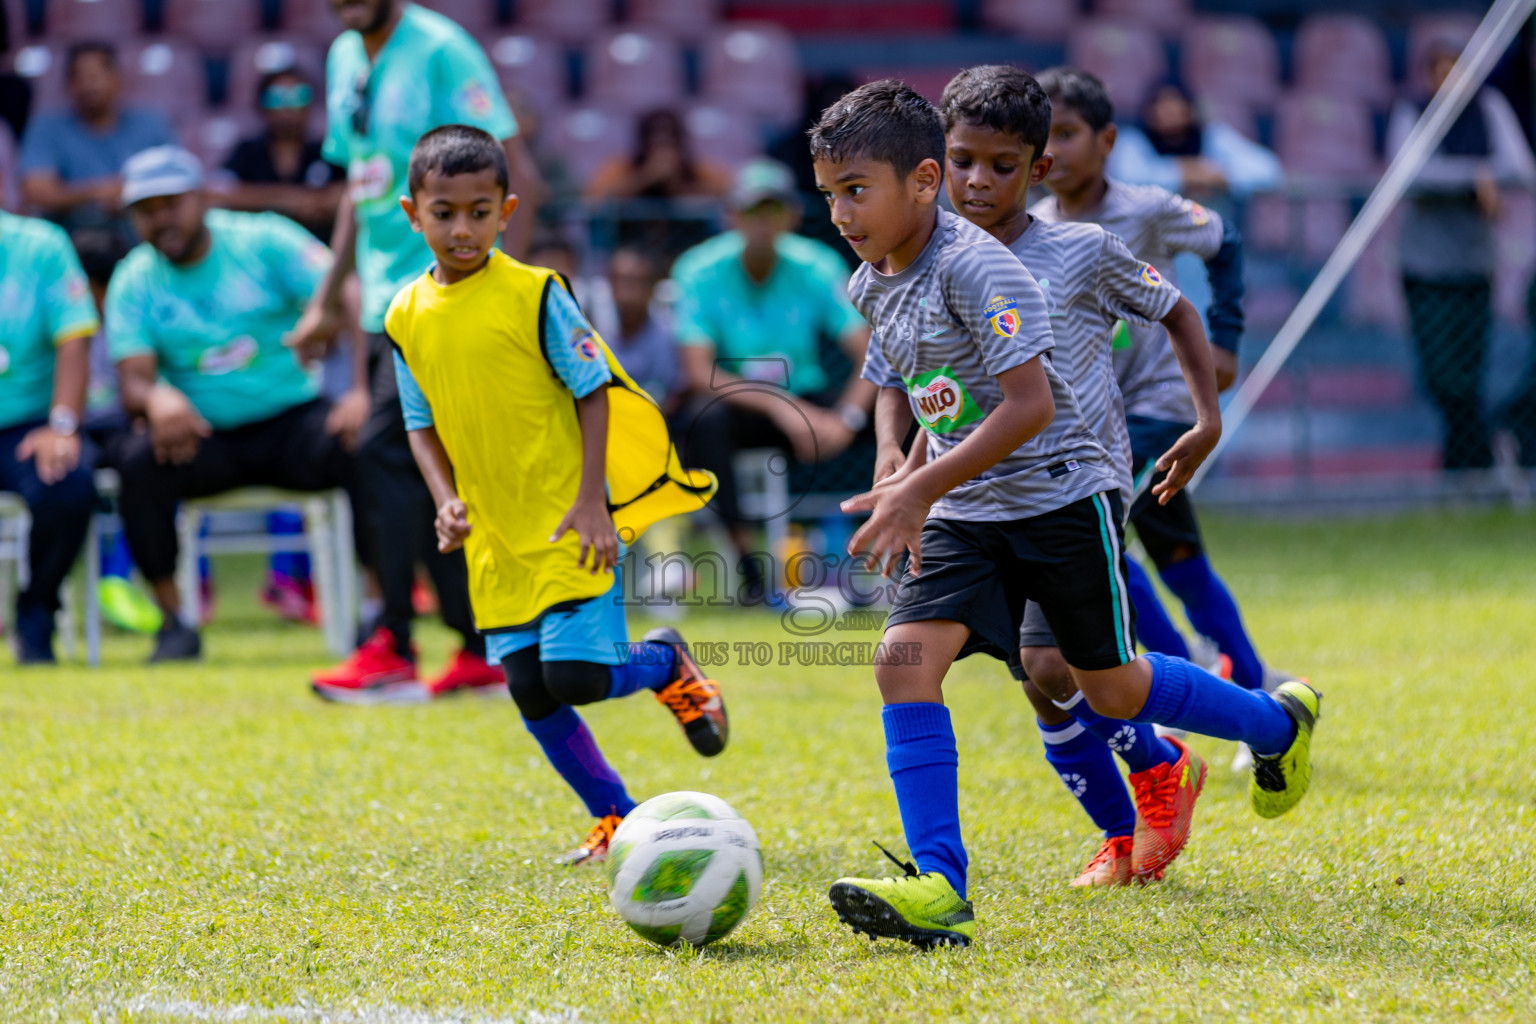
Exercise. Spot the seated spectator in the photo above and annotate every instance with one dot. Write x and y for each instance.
(196, 320)
(753, 306)
(1172, 148)
(71, 160)
(281, 170)
(662, 166)
(643, 343)
(46, 324)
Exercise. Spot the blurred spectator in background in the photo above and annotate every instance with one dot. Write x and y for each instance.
(71, 160)
(46, 324)
(1173, 148)
(790, 150)
(15, 93)
(753, 305)
(558, 187)
(552, 249)
(281, 170)
(1447, 251)
(643, 343)
(663, 165)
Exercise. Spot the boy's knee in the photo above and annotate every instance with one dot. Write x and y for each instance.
(1048, 670)
(1109, 701)
(1046, 711)
(525, 683)
(577, 682)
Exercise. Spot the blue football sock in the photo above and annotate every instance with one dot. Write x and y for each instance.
(1212, 611)
(649, 668)
(1154, 628)
(1138, 744)
(1088, 769)
(115, 559)
(1186, 696)
(571, 749)
(925, 769)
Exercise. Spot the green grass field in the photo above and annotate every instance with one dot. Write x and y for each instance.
(212, 843)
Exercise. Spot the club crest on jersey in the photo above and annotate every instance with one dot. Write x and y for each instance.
(1199, 216)
(1003, 311)
(1150, 276)
(474, 99)
(584, 345)
(941, 401)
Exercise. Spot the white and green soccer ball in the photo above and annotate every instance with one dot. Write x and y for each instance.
(684, 867)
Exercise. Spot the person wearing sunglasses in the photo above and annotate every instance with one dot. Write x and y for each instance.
(282, 169)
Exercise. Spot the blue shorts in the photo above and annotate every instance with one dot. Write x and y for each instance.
(595, 630)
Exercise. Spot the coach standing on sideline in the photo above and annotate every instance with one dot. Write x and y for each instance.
(399, 71)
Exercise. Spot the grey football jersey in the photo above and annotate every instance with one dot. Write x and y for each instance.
(1155, 224)
(965, 311)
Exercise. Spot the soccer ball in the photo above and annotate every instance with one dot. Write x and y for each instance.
(684, 867)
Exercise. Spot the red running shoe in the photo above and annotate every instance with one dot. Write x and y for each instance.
(468, 673)
(291, 600)
(374, 673)
(1165, 808)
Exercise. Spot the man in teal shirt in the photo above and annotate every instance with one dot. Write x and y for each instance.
(397, 72)
(196, 320)
(753, 307)
(46, 323)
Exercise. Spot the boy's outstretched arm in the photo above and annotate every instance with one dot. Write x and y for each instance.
(589, 515)
(898, 512)
(452, 522)
(1187, 336)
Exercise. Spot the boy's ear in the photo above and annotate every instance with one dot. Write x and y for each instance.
(1040, 168)
(929, 178)
(1107, 136)
(408, 204)
(507, 206)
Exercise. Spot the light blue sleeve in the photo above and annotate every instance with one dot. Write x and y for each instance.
(418, 411)
(129, 329)
(335, 148)
(297, 258)
(1134, 160)
(571, 344)
(70, 311)
(468, 87)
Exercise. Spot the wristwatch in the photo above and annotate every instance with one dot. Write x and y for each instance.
(64, 421)
(852, 416)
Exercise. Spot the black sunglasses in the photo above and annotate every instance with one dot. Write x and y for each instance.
(364, 105)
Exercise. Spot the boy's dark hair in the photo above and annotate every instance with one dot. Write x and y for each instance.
(86, 48)
(1079, 92)
(886, 121)
(456, 149)
(1001, 97)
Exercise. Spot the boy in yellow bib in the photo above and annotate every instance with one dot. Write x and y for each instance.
(542, 456)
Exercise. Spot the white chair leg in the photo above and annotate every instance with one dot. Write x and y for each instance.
(346, 568)
(67, 619)
(187, 524)
(322, 563)
(23, 551)
(92, 567)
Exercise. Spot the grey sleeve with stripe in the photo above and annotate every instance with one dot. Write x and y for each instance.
(1130, 289)
(982, 284)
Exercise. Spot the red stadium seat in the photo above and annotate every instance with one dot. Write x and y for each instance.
(531, 66)
(311, 19)
(1343, 54)
(1128, 58)
(169, 76)
(587, 136)
(1424, 31)
(42, 66)
(635, 69)
(1321, 135)
(753, 67)
(213, 24)
(927, 80)
(1231, 111)
(685, 19)
(729, 137)
(478, 17)
(16, 21)
(1168, 18)
(575, 21)
(94, 19)
(1045, 21)
(1233, 56)
(257, 57)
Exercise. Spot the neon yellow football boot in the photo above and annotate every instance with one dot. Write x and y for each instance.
(1279, 783)
(922, 909)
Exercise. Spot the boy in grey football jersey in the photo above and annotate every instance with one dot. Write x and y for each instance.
(1009, 498)
(1155, 224)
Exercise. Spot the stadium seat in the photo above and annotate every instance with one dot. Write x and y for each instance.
(927, 80)
(1233, 56)
(753, 67)
(42, 66)
(1167, 18)
(16, 20)
(1423, 31)
(530, 65)
(586, 136)
(574, 21)
(1325, 136)
(93, 19)
(310, 19)
(1343, 54)
(1045, 21)
(10, 197)
(1231, 111)
(217, 25)
(729, 137)
(686, 19)
(169, 76)
(805, 17)
(1128, 58)
(265, 54)
(635, 69)
(478, 17)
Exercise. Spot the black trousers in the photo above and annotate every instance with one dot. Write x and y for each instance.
(291, 451)
(1451, 321)
(398, 511)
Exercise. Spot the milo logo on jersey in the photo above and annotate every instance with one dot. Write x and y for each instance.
(370, 178)
(941, 401)
(221, 359)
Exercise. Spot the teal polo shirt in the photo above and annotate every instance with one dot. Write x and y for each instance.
(216, 328)
(44, 302)
(776, 323)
